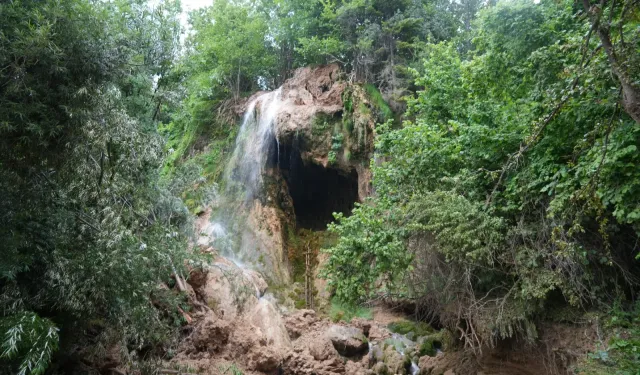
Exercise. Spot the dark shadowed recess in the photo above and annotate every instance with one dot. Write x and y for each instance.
(317, 192)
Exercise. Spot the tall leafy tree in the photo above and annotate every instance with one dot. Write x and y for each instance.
(511, 188)
(87, 234)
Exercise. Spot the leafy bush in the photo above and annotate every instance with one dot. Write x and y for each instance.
(509, 186)
(89, 234)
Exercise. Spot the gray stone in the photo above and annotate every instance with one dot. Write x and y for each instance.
(348, 341)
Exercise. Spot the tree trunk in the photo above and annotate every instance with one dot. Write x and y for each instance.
(630, 92)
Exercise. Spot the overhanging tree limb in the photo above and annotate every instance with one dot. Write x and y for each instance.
(630, 91)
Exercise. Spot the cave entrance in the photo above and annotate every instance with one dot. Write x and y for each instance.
(317, 192)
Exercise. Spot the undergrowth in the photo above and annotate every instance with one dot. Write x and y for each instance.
(345, 312)
(621, 353)
(379, 103)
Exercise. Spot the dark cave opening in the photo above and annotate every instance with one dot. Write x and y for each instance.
(317, 192)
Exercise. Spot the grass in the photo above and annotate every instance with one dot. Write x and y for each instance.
(378, 101)
(620, 354)
(343, 312)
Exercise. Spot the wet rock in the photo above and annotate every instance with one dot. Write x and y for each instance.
(378, 333)
(229, 290)
(348, 341)
(394, 360)
(267, 319)
(376, 355)
(257, 280)
(400, 343)
(299, 322)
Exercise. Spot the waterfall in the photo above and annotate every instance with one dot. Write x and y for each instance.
(414, 370)
(243, 182)
(253, 145)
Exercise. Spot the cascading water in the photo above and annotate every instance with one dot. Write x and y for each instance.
(243, 182)
(243, 178)
(253, 144)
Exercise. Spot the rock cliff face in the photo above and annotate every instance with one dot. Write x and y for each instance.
(316, 160)
(302, 154)
(328, 122)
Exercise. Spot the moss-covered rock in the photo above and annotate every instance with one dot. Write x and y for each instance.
(405, 327)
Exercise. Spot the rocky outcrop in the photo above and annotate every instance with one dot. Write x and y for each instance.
(300, 322)
(322, 114)
(348, 341)
(206, 328)
(313, 352)
(229, 290)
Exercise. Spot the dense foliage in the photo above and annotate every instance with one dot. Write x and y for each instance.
(513, 185)
(510, 188)
(87, 232)
(239, 47)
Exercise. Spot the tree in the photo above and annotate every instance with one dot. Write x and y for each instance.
(88, 234)
(492, 247)
(230, 40)
(609, 18)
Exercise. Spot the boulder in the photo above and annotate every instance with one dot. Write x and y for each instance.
(266, 318)
(322, 349)
(395, 361)
(348, 341)
(210, 334)
(229, 290)
(264, 358)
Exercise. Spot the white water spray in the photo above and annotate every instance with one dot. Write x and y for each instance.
(254, 143)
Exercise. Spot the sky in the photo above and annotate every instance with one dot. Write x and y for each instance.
(189, 5)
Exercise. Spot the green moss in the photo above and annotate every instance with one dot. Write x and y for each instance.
(347, 100)
(379, 103)
(322, 123)
(426, 348)
(300, 304)
(364, 110)
(404, 327)
(347, 123)
(620, 353)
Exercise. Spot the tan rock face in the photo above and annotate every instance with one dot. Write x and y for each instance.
(266, 221)
(313, 106)
(267, 319)
(210, 334)
(299, 322)
(228, 291)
